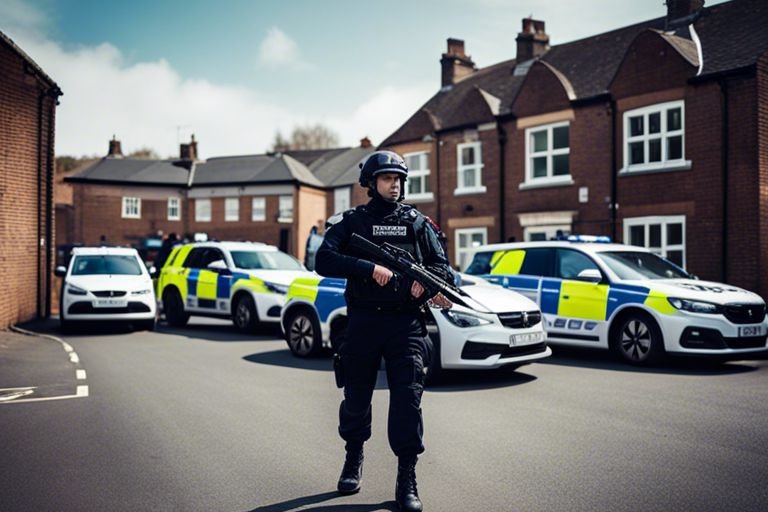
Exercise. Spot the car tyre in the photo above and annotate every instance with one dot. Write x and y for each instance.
(303, 334)
(244, 314)
(174, 309)
(637, 339)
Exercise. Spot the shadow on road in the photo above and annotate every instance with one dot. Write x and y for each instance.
(477, 380)
(605, 360)
(295, 503)
(288, 360)
(221, 333)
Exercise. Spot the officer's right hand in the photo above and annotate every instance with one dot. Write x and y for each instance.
(381, 275)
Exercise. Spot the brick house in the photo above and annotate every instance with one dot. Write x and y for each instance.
(655, 134)
(28, 99)
(274, 198)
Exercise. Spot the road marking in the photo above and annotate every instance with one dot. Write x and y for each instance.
(16, 395)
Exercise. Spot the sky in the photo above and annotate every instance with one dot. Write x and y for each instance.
(234, 72)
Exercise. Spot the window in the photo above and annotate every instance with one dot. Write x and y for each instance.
(664, 236)
(131, 207)
(285, 209)
(547, 232)
(654, 137)
(258, 209)
(547, 150)
(469, 168)
(571, 263)
(203, 210)
(417, 186)
(468, 239)
(174, 208)
(342, 199)
(232, 209)
(538, 261)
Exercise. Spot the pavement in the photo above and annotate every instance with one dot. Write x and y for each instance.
(36, 366)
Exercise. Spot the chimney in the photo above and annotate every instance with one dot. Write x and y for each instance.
(532, 41)
(682, 9)
(188, 151)
(365, 142)
(115, 151)
(455, 63)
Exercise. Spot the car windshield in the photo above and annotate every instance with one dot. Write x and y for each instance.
(114, 264)
(266, 260)
(641, 265)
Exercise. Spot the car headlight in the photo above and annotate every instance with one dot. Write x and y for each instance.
(460, 319)
(141, 292)
(276, 288)
(695, 306)
(74, 290)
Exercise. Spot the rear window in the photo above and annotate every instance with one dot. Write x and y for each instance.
(106, 264)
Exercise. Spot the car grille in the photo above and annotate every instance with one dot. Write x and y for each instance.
(109, 293)
(745, 313)
(86, 308)
(749, 342)
(520, 319)
(478, 351)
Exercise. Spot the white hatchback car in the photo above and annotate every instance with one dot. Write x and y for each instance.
(106, 284)
(509, 331)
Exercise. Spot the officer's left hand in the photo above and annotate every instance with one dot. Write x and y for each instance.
(417, 290)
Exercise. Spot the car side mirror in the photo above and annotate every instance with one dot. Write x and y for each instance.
(152, 271)
(218, 266)
(590, 275)
(60, 271)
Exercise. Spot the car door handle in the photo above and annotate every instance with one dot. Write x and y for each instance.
(566, 296)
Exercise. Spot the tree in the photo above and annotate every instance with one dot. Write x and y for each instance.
(144, 154)
(306, 137)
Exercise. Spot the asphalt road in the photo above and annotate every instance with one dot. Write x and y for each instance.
(206, 419)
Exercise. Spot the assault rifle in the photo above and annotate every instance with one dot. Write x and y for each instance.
(401, 262)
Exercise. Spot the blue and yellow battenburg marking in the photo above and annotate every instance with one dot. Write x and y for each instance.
(326, 293)
(571, 298)
(205, 285)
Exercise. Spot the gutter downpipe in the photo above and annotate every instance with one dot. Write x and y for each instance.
(614, 174)
(502, 133)
(437, 172)
(723, 83)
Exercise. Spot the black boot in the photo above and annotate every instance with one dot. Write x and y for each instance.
(406, 494)
(352, 473)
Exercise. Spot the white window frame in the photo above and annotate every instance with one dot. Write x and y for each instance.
(342, 199)
(282, 209)
(663, 221)
(665, 163)
(420, 174)
(174, 208)
(131, 207)
(258, 209)
(202, 210)
(477, 166)
(549, 153)
(549, 231)
(231, 209)
(462, 252)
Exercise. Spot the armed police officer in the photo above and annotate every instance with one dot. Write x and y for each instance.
(385, 320)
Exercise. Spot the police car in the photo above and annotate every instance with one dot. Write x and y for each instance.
(106, 284)
(244, 281)
(508, 333)
(625, 298)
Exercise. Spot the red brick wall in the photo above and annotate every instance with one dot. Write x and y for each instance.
(762, 179)
(22, 205)
(541, 92)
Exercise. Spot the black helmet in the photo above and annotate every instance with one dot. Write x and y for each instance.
(380, 162)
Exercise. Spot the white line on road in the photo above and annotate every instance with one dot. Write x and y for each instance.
(82, 392)
(80, 374)
(74, 358)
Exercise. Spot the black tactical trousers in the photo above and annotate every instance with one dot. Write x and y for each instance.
(400, 338)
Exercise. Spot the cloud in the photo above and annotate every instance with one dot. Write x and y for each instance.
(150, 105)
(279, 50)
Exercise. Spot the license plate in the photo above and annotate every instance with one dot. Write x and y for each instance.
(524, 339)
(751, 330)
(110, 303)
